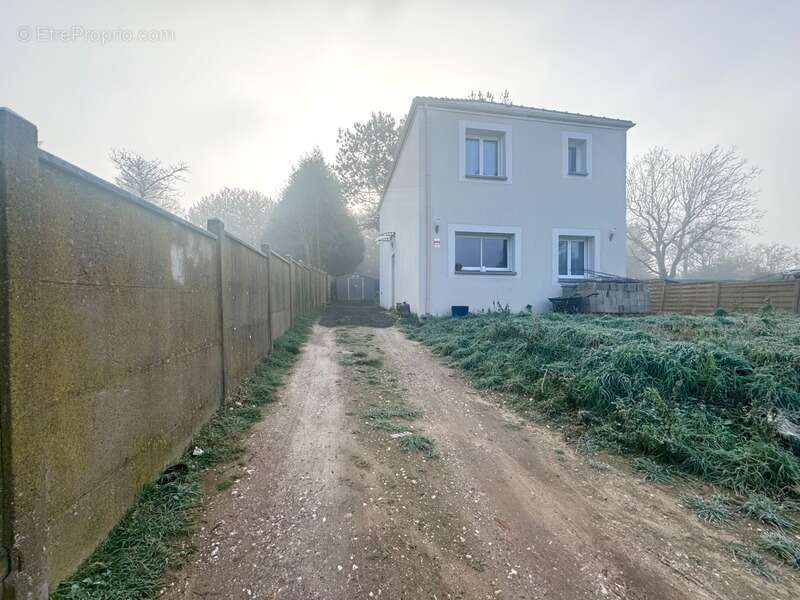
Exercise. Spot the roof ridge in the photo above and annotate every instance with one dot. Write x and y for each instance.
(518, 106)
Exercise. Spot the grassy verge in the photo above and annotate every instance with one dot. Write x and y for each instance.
(782, 546)
(138, 551)
(713, 397)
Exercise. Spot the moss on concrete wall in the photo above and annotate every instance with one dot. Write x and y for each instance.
(121, 327)
(119, 308)
(245, 282)
(280, 296)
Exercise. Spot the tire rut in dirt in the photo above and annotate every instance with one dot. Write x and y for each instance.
(571, 531)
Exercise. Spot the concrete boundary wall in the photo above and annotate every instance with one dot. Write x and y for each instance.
(122, 328)
(280, 292)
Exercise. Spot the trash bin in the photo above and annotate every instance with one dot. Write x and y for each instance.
(567, 304)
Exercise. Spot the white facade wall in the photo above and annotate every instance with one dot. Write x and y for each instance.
(401, 212)
(535, 203)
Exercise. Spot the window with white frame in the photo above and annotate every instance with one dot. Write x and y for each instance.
(484, 252)
(577, 155)
(484, 151)
(484, 154)
(575, 256)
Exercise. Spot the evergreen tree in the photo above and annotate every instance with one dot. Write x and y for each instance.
(311, 221)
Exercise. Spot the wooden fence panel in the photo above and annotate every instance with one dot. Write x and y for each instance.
(753, 296)
(690, 298)
(706, 297)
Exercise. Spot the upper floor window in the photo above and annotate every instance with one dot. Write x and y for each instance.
(485, 151)
(577, 154)
(576, 159)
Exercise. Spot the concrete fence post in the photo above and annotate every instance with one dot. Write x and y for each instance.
(217, 227)
(312, 290)
(24, 540)
(295, 294)
(301, 289)
(265, 249)
(663, 295)
(291, 290)
(298, 289)
(797, 296)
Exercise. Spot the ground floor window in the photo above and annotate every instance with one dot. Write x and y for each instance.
(482, 252)
(574, 254)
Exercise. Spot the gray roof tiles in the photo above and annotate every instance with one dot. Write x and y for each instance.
(520, 109)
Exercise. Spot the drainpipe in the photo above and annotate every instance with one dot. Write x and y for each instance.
(427, 238)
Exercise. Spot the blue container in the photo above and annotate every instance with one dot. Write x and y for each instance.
(460, 311)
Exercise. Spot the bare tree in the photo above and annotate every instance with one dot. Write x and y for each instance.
(311, 220)
(745, 261)
(244, 212)
(683, 207)
(151, 180)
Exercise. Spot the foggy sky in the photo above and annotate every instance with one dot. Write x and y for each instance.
(246, 87)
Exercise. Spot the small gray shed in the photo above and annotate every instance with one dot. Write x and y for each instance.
(356, 287)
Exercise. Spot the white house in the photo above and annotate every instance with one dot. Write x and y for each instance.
(489, 202)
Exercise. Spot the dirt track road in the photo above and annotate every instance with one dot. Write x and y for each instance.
(328, 508)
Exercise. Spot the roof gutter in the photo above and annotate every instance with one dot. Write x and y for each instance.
(427, 225)
(531, 114)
